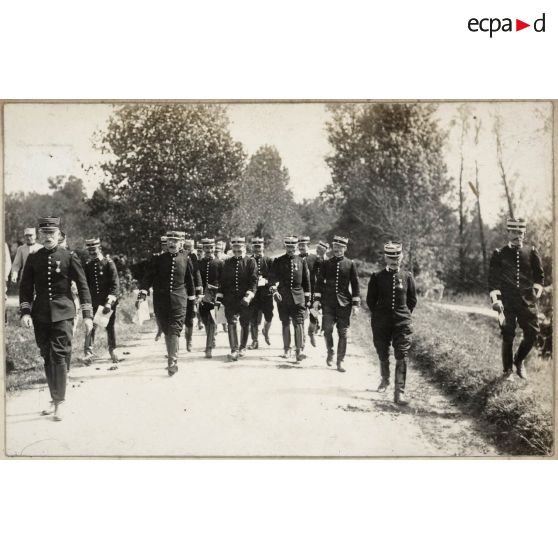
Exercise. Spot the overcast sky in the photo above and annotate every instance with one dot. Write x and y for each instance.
(43, 140)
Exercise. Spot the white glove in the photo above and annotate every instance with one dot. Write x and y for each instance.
(498, 306)
(26, 320)
(355, 311)
(317, 305)
(14, 277)
(538, 290)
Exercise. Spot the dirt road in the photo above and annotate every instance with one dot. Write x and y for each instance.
(259, 406)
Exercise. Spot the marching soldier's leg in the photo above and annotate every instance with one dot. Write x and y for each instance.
(209, 324)
(401, 346)
(189, 324)
(529, 323)
(508, 334)
(42, 338)
(312, 329)
(343, 323)
(232, 321)
(60, 348)
(244, 329)
(328, 323)
(254, 312)
(268, 316)
(111, 338)
(298, 324)
(174, 329)
(88, 346)
(381, 335)
(285, 328)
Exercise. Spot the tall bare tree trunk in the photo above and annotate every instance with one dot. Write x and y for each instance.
(498, 132)
(461, 205)
(481, 225)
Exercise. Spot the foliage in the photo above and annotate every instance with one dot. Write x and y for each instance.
(68, 200)
(169, 159)
(318, 217)
(264, 205)
(461, 352)
(389, 179)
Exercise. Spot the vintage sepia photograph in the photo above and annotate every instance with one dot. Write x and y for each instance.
(278, 279)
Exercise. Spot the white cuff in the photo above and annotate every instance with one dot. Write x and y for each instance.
(249, 295)
(495, 296)
(191, 298)
(356, 298)
(144, 292)
(219, 295)
(111, 299)
(539, 287)
(317, 295)
(307, 294)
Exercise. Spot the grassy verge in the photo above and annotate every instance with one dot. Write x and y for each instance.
(24, 365)
(462, 353)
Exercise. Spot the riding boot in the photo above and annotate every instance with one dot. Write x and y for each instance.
(233, 340)
(244, 334)
(286, 331)
(400, 380)
(254, 334)
(385, 372)
(507, 358)
(341, 351)
(210, 338)
(329, 346)
(265, 331)
(188, 334)
(173, 341)
(299, 341)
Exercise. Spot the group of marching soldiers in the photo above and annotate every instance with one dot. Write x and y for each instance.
(186, 280)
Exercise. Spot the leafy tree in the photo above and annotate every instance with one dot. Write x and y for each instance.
(389, 179)
(265, 206)
(318, 218)
(166, 159)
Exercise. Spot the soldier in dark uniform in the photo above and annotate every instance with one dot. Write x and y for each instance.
(162, 251)
(46, 302)
(188, 248)
(171, 276)
(337, 293)
(516, 280)
(391, 299)
(311, 262)
(290, 280)
(262, 304)
(239, 281)
(104, 286)
(321, 248)
(210, 270)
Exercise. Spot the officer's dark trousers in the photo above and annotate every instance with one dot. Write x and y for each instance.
(341, 315)
(190, 313)
(386, 332)
(170, 317)
(291, 311)
(54, 340)
(236, 312)
(516, 311)
(260, 306)
(111, 335)
(210, 328)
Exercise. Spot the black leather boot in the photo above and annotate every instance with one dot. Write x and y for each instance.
(265, 332)
(189, 330)
(173, 341)
(286, 331)
(254, 334)
(385, 372)
(233, 341)
(400, 380)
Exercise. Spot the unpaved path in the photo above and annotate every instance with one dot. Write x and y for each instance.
(259, 406)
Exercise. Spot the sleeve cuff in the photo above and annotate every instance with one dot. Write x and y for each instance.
(191, 298)
(86, 310)
(307, 295)
(144, 292)
(199, 290)
(539, 288)
(317, 295)
(249, 295)
(111, 299)
(495, 296)
(24, 308)
(219, 296)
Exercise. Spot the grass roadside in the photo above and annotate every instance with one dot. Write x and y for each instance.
(461, 352)
(24, 365)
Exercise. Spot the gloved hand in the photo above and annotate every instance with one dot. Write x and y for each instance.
(107, 308)
(317, 305)
(14, 278)
(141, 296)
(26, 320)
(538, 290)
(277, 296)
(199, 298)
(88, 323)
(498, 306)
(245, 301)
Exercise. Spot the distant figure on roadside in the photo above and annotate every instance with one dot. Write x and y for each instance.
(515, 282)
(239, 280)
(391, 299)
(262, 304)
(45, 301)
(172, 277)
(337, 293)
(104, 286)
(23, 251)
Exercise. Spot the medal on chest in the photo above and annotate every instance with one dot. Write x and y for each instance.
(58, 263)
